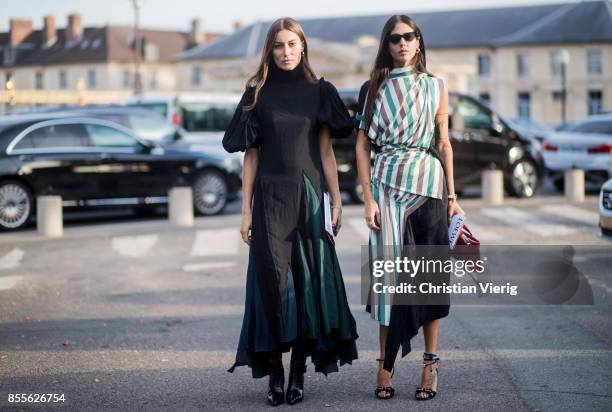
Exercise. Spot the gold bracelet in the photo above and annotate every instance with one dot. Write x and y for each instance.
(452, 197)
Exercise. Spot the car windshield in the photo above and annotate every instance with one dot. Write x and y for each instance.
(593, 126)
(202, 117)
(161, 108)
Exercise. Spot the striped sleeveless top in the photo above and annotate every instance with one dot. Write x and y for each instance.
(403, 128)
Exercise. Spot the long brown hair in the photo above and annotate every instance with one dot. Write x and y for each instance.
(384, 62)
(261, 75)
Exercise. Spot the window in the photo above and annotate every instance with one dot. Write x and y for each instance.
(63, 80)
(524, 105)
(557, 96)
(556, 62)
(152, 80)
(57, 136)
(522, 64)
(196, 76)
(594, 103)
(206, 117)
(485, 97)
(484, 65)
(126, 79)
(25, 142)
(474, 116)
(38, 81)
(594, 61)
(109, 137)
(151, 127)
(91, 79)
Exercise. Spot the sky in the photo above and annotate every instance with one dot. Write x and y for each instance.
(220, 15)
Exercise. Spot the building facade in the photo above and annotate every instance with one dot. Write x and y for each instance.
(97, 63)
(511, 57)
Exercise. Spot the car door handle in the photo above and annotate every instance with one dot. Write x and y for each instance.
(25, 157)
(105, 157)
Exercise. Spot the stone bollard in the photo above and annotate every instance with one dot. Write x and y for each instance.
(49, 218)
(574, 185)
(493, 187)
(180, 206)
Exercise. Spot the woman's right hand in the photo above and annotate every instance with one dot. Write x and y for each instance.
(372, 215)
(245, 227)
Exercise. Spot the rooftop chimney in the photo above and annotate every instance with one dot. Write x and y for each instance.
(49, 30)
(19, 30)
(197, 32)
(74, 31)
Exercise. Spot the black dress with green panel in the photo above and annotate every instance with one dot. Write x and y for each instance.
(294, 289)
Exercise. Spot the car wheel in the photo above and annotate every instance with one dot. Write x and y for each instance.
(210, 191)
(357, 194)
(523, 179)
(15, 204)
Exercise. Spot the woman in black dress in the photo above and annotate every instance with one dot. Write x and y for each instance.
(295, 295)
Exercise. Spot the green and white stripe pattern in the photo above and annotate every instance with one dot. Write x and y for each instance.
(404, 174)
(403, 127)
(387, 243)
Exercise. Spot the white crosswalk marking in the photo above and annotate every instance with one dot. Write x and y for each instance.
(220, 242)
(358, 224)
(8, 282)
(134, 246)
(483, 233)
(200, 267)
(570, 212)
(526, 221)
(12, 259)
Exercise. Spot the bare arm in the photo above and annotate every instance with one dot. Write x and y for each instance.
(249, 170)
(330, 170)
(364, 170)
(445, 149)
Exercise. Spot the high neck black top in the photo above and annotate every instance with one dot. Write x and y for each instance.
(278, 75)
(289, 182)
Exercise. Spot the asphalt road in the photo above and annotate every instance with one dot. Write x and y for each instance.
(135, 314)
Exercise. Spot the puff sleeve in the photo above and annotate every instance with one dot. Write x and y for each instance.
(361, 103)
(243, 131)
(333, 112)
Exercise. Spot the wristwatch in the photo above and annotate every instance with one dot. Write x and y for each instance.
(452, 197)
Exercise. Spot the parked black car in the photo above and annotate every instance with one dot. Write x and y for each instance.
(98, 163)
(481, 139)
(149, 125)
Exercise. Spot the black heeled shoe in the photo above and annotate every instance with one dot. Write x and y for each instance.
(295, 389)
(276, 391)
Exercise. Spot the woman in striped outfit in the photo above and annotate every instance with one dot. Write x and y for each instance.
(406, 190)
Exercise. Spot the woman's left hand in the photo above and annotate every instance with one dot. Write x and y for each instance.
(454, 208)
(337, 219)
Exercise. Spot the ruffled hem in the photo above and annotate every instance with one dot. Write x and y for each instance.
(315, 307)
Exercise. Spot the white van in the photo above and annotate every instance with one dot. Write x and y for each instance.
(206, 114)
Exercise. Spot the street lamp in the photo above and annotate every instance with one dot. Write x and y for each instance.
(564, 59)
(137, 4)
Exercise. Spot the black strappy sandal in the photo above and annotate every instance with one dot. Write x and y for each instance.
(429, 392)
(387, 389)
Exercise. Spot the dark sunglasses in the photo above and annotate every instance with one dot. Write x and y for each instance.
(396, 38)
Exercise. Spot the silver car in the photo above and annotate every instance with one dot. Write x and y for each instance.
(585, 145)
